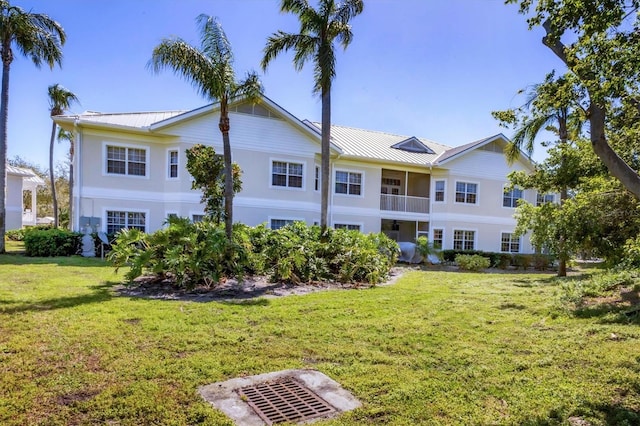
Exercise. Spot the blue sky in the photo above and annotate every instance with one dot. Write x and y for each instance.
(428, 68)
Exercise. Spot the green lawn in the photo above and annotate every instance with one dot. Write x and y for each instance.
(435, 348)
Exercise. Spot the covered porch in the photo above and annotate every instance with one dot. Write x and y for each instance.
(404, 230)
(404, 191)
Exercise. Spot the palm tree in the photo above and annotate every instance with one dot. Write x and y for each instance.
(315, 41)
(60, 99)
(38, 37)
(65, 135)
(210, 71)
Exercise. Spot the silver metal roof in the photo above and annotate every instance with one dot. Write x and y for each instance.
(27, 174)
(379, 145)
(138, 120)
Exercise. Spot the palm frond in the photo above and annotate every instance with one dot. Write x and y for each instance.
(250, 88)
(34, 35)
(187, 62)
(60, 99)
(342, 33)
(280, 41)
(524, 138)
(348, 10)
(214, 41)
(325, 68)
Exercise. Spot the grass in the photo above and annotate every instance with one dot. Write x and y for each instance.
(436, 348)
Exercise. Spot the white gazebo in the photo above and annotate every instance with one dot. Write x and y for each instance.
(19, 180)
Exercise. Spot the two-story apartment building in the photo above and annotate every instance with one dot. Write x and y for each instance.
(131, 173)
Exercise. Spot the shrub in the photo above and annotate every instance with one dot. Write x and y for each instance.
(51, 242)
(473, 262)
(192, 254)
(523, 261)
(424, 248)
(15, 234)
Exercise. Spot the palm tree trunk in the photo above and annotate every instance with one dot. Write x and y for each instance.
(228, 172)
(51, 176)
(4, 116)
(325, 160)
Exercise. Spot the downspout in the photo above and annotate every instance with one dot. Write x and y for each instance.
(332, 189)
(78, 174)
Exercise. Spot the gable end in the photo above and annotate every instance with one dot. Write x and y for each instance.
(412, 144)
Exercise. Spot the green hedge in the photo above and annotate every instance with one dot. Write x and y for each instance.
(504, 260)
(51, 242)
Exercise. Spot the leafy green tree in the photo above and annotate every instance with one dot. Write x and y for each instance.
(60, 99)
(38, 37)
(555, 106)
(601, 51)
(210, 71)
(319, 29)
(207, 168)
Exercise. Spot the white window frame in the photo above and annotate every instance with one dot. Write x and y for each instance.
(145, 148)
(147, 219)
(513, 199)
(169, 164)
(292, 219)
(433, 241)
(466, 182)
(354, 171)
(360, 225)
(475, 239)
(444, 191)
(317, 178)
(287, 187)
(511, 241)
(545, 195)
(196, 213)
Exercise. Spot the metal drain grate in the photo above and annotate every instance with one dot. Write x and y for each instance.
(284, 400)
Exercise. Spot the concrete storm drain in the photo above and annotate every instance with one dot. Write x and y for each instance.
(293, 396)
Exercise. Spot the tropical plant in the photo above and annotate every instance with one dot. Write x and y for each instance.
(38, 37)
(60, 99)
(319, 29)
(210, 71)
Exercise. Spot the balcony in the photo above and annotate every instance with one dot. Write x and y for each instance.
(402, 203)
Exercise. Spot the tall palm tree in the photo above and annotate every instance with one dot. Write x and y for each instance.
(60, 99)
(319, 28)
(65, 135)
(38, 37)
(210, 71)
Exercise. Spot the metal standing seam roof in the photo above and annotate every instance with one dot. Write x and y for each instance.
(138, 120)
(378, 145)
(27, 174)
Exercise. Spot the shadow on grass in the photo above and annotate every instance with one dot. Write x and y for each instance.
(609, 313)
(100, 293)
(611, 414)
(21, 259)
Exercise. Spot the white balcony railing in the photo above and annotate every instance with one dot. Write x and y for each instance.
(401, 203)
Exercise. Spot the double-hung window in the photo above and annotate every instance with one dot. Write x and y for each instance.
(349, 183)
(117, 220)
(509, 243)
(463, 240)
(544, 198)
(287, 175)
(172, 159)
(510, 198)
(437, 239)
(439, 193)
(126, 161)
(466, 192)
